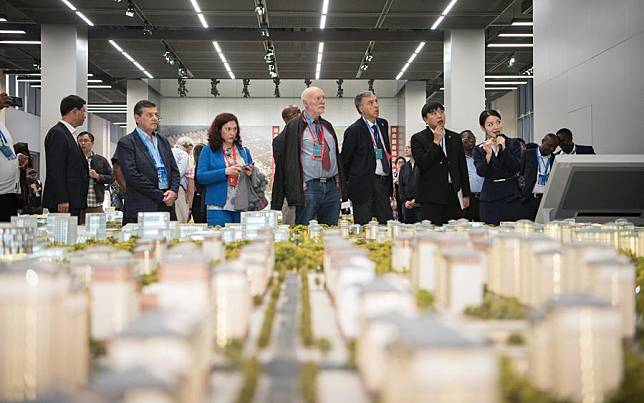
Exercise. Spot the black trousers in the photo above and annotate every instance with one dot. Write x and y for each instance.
(412, 216)
(530, 207)
(8, 206)
(473, 212)
(377, 204)
(440, 214)
(198, 209)
(500, 210)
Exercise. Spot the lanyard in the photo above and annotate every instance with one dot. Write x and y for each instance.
(4, 139)
(546, 165)
(373, 136)
(574, 149)
(316, 139)
(153, 151)
(232, 161)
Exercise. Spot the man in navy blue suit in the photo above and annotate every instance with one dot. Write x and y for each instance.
(366, 162)
(149, 168)
(568, 146)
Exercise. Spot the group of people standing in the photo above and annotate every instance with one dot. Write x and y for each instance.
(446, 177)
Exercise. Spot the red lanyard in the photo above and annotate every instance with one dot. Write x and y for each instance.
(382, 140)
(315, 139)
(232, 180)
(232, 162)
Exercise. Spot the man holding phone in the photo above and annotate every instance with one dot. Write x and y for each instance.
(10, 166)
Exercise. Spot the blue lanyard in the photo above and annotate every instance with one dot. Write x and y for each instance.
(546, 165)
(152, 150)
(309, 122)
(4, 139)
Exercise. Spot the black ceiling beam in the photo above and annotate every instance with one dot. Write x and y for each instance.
(276, 34)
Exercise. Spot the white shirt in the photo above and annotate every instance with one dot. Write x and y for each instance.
(379, 170)
(9, 170)
(543, 167)
(183, 163)
(444, 147)
(69, 127)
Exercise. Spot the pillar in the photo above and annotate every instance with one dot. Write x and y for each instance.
(464, 78)
(411, 99)
(64, 56)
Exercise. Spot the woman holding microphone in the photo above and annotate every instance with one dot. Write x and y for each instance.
(498, 160)
(220, 165)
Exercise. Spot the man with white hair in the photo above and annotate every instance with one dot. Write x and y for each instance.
(308, 173)
(181, 152)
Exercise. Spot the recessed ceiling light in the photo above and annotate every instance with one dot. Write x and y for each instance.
(20, 42)
(499, 88)
(12, 31)
(515, 35)
(522, 23)
(505, 82)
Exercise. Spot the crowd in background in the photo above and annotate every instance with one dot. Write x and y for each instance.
(442, 175)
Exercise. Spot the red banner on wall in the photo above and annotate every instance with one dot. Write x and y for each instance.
(275, 131)
(393, 134)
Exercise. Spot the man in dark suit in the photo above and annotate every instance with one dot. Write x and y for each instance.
(442, 170)
(67, 172)
(412, 211)
(366, 162)
(536, 164)
(568, 146)
(288, 113)
(150, 171)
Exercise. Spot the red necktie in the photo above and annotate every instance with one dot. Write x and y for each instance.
(326, 160)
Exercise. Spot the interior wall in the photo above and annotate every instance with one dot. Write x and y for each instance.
(588, 59)
(24, 128)
(507, 107)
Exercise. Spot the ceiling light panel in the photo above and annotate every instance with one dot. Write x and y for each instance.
(215, 44)
(128, 57)
(78, 13)
(440, 19)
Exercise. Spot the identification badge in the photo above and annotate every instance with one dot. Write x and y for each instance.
(317, 151)
(378, 153)
(8, 152)
(542, 179)
(163, 178)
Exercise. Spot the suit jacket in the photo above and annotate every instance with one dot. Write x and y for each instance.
(433, 166)
(212, 173)
(501, 173)
(529, 168)
(288, 180)
(359, 159)
(142, 193)
(67, 171)
(407, 182)
(105, 177)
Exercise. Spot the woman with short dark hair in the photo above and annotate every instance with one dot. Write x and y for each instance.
(219, 168)
(498, 160)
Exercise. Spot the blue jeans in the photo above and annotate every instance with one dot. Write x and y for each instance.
(221, 217)
(321, 201)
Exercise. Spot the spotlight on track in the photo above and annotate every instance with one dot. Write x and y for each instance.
(130, 11)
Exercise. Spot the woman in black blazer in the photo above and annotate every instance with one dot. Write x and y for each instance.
(498, 160)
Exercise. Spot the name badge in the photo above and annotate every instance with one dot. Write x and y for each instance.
(379, 153)
(317, 151)
(8, 152)
(163, 178)
(542, 179)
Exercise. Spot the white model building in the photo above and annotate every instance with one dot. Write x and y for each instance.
(432, 361)
(575, 348)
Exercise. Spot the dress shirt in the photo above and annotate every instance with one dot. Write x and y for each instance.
(444, 147)
(69, 127)
(379, 170)
(311, 168)
(476, 181)
(543, 167)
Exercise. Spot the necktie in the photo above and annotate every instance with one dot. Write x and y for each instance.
(386, 167)
(326, 160)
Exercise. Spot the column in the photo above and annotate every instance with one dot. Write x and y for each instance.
(64, 72)
(138, 90)
(411, 99)
(464, 78)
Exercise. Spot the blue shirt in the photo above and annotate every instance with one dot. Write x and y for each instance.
(312, 168)
(476, 181)
(152, 145)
